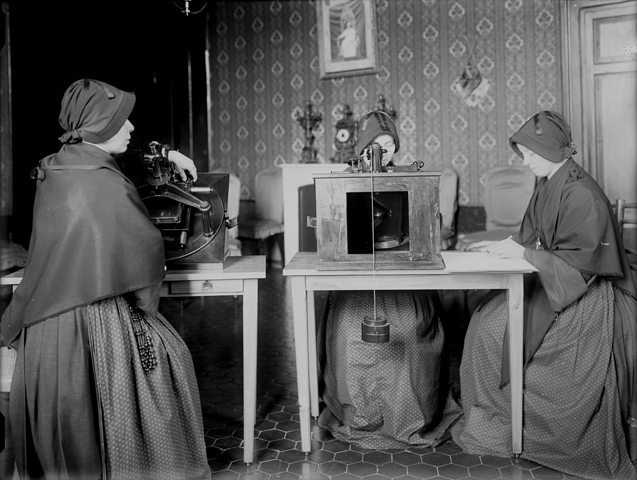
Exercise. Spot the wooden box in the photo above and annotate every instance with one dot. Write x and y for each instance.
(346, 232)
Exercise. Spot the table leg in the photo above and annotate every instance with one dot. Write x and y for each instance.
(311, 348)
(250, 329)
(299, 304)
(516, 358)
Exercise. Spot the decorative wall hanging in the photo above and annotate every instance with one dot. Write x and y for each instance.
(471, 86)
(309, 120)
(347, 37)
(188, 8)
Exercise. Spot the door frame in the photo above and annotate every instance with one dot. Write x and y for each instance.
(573, 81)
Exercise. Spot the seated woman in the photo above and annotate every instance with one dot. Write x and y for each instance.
(580, 410)
(384, 395)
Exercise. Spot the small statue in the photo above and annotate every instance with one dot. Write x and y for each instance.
(309, 120)
(381, 105)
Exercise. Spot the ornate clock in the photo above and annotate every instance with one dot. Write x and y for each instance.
(345, 137)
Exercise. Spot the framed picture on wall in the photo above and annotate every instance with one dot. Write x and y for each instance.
(347, 37)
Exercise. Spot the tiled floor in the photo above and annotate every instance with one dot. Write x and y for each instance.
(212, 328)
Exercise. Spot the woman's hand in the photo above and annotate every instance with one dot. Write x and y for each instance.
(508, 248)
(480, 246)
(183, 164)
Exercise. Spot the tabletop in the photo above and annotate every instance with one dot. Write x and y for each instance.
(251, 266)
(455, 262)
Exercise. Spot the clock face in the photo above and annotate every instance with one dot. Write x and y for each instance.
(342, 135)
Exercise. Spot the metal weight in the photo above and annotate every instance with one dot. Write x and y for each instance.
(375, 329)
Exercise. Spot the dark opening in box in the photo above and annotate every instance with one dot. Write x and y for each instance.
(379, 216)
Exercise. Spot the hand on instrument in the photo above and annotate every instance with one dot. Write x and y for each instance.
(508, 248)
(183, 164)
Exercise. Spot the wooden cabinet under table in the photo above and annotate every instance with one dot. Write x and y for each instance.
(239, 276)
(463, 271)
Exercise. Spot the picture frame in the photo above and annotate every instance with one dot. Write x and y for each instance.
(347, 38)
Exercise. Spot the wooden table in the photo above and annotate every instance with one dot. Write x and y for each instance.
(239, 277)
(463, 271)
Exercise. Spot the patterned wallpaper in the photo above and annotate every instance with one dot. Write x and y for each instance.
(264, 66)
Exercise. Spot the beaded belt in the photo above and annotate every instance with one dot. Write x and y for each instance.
(143, 338)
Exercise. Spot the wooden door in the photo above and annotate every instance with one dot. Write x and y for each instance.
(600, 90)
(609, 104)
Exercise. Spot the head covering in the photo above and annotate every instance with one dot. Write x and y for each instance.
(93, 111)
(547, 134)
(373, 124)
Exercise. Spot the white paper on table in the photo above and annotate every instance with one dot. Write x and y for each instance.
(479, 262)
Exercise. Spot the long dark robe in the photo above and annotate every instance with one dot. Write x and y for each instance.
(580, 341)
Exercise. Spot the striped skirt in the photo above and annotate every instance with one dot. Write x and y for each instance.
(83, 406)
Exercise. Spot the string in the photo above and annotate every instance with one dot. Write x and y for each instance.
(373, 240)
(471, 51)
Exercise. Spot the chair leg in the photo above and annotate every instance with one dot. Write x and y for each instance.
(466, 314)
(281, 243)
(259, 246)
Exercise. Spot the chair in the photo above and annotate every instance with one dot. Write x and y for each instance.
(626, 214)
(507, 194)
(448, 207)
(307, 208)
(267, 220)
(12, 256)
(234, 200)
(7, 365)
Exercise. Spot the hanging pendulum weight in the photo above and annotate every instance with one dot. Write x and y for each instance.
(374, 329)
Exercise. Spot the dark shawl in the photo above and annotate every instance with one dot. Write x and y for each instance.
(91, 239)
(574, 221)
